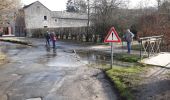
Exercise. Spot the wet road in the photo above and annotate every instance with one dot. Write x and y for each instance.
(40, 73)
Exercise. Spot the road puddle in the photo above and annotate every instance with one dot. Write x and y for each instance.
(94, 58)
(99, 59)
(73, 58)
(65, 60)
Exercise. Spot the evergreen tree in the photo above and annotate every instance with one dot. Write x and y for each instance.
(82, 5)
(71, 6)
(76, 6)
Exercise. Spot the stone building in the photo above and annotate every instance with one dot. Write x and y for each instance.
(37, 16)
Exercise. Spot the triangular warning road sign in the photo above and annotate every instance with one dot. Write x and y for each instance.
(112, 36)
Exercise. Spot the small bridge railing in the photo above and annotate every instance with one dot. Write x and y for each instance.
(150, 46)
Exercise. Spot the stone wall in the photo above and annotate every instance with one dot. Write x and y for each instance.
(72, 33)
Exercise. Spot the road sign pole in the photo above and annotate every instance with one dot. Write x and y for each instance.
(111, 65)
(112, 36)
(112, 53)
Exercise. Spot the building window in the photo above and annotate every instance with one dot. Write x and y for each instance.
(45, 17)
(45, 26)
(16, 29)
(38, 9)
(56, 20)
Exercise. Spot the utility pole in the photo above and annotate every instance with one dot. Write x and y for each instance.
(159, 3)
(88, 12)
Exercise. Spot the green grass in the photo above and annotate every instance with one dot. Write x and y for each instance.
(127, 58)
(137, 47)
(2, 58)
(124, 78)
(102, 43)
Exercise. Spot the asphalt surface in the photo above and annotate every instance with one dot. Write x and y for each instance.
(42, 73)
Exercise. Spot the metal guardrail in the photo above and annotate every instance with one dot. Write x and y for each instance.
(150, 45)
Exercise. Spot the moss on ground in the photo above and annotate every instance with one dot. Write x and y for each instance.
(124, 79)
(14, 40)
(2, 58)
(127, 57)
(137, 47)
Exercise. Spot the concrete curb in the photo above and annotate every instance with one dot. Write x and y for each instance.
(16, 41)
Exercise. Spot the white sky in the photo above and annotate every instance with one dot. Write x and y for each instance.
(59, 5)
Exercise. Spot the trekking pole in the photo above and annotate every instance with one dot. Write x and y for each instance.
(122, 47)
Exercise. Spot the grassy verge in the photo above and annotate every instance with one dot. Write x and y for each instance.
(137, 47)
(107, 44)
(127, 58)
(2, 58)
(124, 79)
(17, 41)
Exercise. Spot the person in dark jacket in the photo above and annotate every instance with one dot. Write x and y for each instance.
(47, 37)
(128, 36)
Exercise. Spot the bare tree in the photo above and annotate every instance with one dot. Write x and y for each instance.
(159, 3)
(7, 9)
(157, 22)
(106, 13)
(6, 5)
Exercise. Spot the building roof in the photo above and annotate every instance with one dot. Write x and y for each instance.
(68, 15)
(26, 6)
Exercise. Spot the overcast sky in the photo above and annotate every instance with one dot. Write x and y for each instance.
(59, 5)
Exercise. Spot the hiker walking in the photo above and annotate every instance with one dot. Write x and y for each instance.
(47, 37)
(53, 39)
(128, 36)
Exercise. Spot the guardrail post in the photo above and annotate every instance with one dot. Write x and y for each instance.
(149, 46)
(140, 49)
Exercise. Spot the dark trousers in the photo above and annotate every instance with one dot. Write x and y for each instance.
(129, 47)
(48, 42)
(53, 43)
